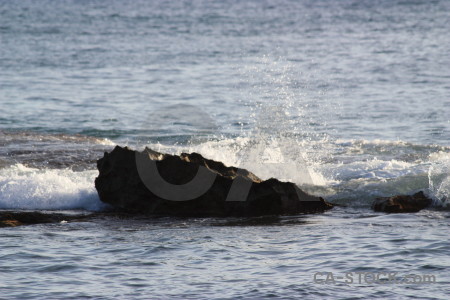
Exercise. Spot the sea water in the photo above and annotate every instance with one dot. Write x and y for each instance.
(348, 99)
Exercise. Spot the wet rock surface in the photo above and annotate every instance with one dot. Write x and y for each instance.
(18, 218)
(402, 203)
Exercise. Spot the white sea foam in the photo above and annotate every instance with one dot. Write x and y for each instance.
(22, 187)
(375, 169)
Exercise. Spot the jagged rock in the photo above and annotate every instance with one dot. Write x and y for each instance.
(402, 203)
(161, 184)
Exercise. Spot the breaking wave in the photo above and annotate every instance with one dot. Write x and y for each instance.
(22, 187)
(60, 173)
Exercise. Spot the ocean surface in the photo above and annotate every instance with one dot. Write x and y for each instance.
(348, 99)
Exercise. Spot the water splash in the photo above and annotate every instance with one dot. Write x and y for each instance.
(439, 178)
(284, 129)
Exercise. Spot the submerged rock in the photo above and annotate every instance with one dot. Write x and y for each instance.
(190, 185)
(13, 219)
(402, 203)
(19, 218)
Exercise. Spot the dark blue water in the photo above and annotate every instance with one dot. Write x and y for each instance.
(348, 99)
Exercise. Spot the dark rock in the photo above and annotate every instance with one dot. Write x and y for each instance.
(127, 182)
(19, 218)
(12, 219)
(402, 203)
